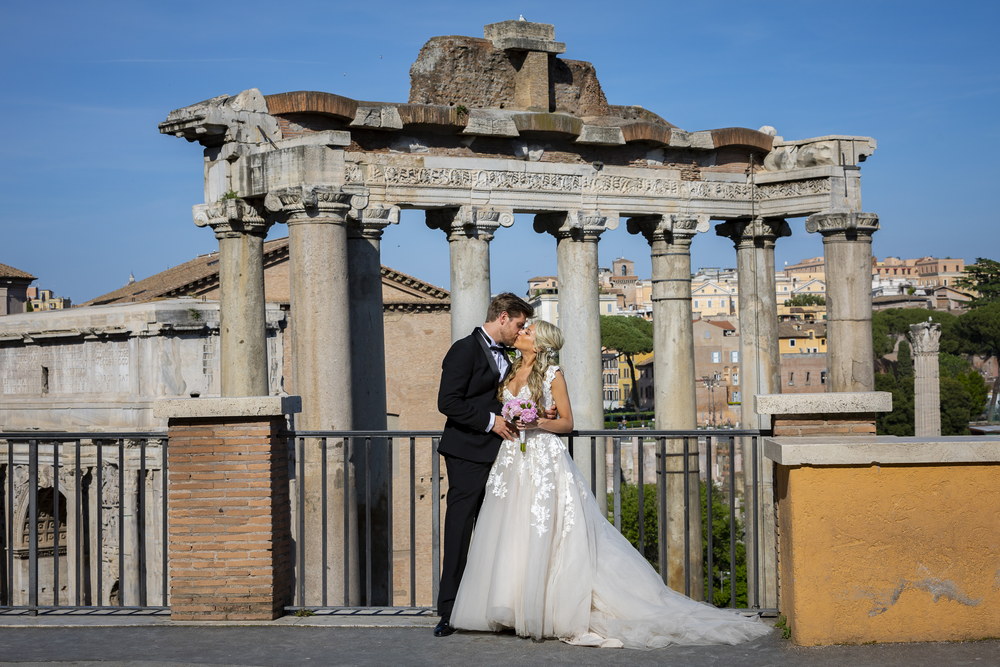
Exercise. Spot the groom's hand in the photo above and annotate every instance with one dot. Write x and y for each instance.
(503, 429)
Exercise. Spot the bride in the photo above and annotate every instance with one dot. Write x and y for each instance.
(546, 563)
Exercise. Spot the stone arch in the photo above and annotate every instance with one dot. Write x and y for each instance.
(47, 521)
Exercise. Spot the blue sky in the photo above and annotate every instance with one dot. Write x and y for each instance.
(91, 191)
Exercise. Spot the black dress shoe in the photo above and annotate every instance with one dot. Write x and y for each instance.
(443, 628)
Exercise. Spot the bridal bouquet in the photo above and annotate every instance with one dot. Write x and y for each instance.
(523, 409)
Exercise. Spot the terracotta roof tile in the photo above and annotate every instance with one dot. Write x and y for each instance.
(10, 272)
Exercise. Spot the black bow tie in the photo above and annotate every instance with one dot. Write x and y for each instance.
(499, 348)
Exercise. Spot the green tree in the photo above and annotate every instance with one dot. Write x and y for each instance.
(724, 572)
(900, 421)
(630, 519)
(983, 277)
(628, 336)
(806, 300)
(28, 308)
(978, 332)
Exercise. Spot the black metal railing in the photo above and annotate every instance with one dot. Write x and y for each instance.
(84, 515)
(386, 562)
(84, 522)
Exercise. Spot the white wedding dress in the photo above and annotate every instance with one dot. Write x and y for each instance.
(545, 563)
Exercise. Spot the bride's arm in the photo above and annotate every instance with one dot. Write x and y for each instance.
(563, 423)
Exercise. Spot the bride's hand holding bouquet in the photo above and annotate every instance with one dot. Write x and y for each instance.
(524, 412)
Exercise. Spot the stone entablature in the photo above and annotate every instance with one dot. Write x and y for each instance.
(503, 139)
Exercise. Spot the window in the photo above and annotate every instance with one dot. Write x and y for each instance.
(716, 357)
(791, 342)
(808, 375)
(736, 378)
(734, 356)
(791, 379)
(822, 377)
(624, 271)
(708, 304)
(696, 303)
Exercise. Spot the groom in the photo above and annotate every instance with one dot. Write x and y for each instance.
(470, 375)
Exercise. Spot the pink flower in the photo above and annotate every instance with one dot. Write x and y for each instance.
(520, 408)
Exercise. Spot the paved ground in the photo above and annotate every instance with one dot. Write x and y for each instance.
(155, 640)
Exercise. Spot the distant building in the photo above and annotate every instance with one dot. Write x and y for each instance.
(717, 372)
(813, 268)
(44, 299)
(13, 289)
(802, 337)
(543, 296)
(609, 372)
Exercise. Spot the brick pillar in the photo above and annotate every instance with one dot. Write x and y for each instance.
(229, 516)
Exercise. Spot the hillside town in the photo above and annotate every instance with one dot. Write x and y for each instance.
(927, 282)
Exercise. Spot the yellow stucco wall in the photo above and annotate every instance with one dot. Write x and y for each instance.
(891, 553)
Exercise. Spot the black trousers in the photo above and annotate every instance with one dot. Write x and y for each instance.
(466, 490)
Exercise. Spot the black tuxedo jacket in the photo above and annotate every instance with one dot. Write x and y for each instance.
(467, 396)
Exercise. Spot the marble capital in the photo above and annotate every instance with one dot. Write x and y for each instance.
(754, 231)
(470, 222)
(579, 225)
(231, 218)
(926, 337)
(370, 222)
(309, 204)
(843, 222)
(674, 229)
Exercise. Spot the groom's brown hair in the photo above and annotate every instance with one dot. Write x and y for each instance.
(508, 303)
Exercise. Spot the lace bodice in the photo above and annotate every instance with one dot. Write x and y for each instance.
(524, 393)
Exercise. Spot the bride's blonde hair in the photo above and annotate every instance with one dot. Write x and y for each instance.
(548, 342)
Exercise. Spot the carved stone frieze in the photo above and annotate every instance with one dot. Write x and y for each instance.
(383, 175)
(231, 217)
(812, 186)
(843, 222)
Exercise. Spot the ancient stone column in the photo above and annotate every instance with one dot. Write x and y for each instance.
(322, 371)
(847, 250)
(760, 373)
(577, 234)
(240, 229)
(926, 337)
(674, 399)
(469, 230)
(371, 464)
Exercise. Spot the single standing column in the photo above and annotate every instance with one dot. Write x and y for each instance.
(240, 229)
(847, 251)
(469, 230)
(321, 353)
(926, 337)
(577, 234)
(760, 373)
(674, 399)
(364, 234)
